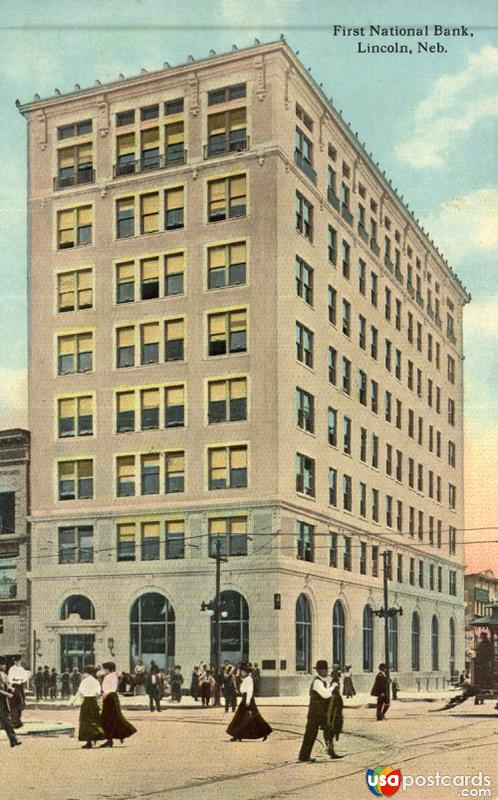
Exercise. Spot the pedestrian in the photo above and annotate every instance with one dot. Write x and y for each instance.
(194, 684)
(75, 680)
(139, 678)
(380, 690)
(247, 722)
(176, 684)
(153, 686)
(18, 678)
(53, 684)
(256, 677)
(114, 724)
(206, 686)
(348, 689)
(395, 689)
(320, 694)
(229, 687)
(90, 723)
(334, 720)
(38, 683)
(65, 685)
(46, 682)
(6, 695)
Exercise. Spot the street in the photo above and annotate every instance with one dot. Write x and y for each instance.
(185, 754)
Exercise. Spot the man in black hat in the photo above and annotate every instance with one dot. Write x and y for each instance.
(6, 695)
(320, 695)
(380, 690)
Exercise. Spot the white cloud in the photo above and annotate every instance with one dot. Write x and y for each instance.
(481, 318)
(13, 398)
(455, 105)
(465, 224)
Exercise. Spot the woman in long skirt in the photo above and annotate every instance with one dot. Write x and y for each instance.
(90, 727)
(113, 722)
(247, 722)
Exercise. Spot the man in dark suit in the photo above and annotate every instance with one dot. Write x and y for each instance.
(320, 694)
(6, 696)
(380, 690)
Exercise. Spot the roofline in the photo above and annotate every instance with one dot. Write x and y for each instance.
(233, 55)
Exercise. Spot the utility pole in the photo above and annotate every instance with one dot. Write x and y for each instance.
(385, 557)
(216, 607)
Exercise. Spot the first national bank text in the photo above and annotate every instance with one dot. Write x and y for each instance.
(398, 31)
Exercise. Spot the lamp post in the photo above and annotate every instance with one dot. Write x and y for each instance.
(386, 613)
(217, 612)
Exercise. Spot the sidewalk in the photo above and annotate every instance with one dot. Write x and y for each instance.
(360, 700)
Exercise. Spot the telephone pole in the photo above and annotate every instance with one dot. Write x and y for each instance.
(216, 607)
(386, 613)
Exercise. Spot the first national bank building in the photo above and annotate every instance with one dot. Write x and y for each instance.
(238, 334)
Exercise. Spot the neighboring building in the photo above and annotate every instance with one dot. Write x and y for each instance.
(14, 544)
(481, 591)
(237, 332)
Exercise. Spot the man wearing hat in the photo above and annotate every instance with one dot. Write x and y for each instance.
(320, 695)
(380, 691)
(6, 695)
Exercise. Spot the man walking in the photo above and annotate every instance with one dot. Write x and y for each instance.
(6, 696)
(18, 678)
(320, 694)
(380, 690)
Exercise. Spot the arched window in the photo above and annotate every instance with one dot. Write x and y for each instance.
(234, 628)
(338, 635)
(368, 639)
(393, 642)
(452, 648)
(152, 631)
(77, 604)
(415, 642)
(435, 643)
(303, 634)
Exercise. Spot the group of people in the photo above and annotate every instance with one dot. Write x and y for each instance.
(49, 685)
(209, 685)
(98, 723)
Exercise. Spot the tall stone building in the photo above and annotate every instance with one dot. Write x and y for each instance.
(238, 333)
(14, 542)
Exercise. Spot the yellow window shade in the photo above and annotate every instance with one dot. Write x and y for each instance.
(217, 527)
(175, 462)
(66, 157)
(126, 401)
(238, 388)
(174, 329)
(174, 198)
(217, 257)
(238, 253)
(216, 124)
(66, 220)
(218, 458)
(238, 186)
(126, 532)
(126, 144)
(66, 345)
(217, 324)
(126, 466)
(126, 271)
(237, 118)
(150, 530)
(175, 263)
(174, 133)
(238, 320)
(67, 282)
(150, 268)
(239, 525)
(85, 469)
(175, 527)
(175, 395)
(217, 391)
(84, 279)
(150, 138)
(216, 191)
(67, 407)
(67, 469)
(85, 215)
(150, 333)
(150, 398)
(85, 342)
(85, 153)
(150, 203)
(238, 457)
(85, 405)
(150, 460)
(126, 337)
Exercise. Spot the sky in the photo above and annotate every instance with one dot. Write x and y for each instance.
(428, 118)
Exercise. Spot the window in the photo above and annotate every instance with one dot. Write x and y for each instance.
(304, 216)
(415, 642)
(373, 288)
(387, 308)
(375, 505)
(338, 634)
(332, 426)
(303, 634)
(173, 106)
(451, 369)
(75, 479)
(125, 282)
(149, 278)
(174, 268)
(75, 353)
(332, 549)
(149, 343)
(174, 143)
(7, 512)
(347, 553)
(399, 465)
(125, 118)
(362, 281)
(303, 153)
(431, 577)
(452, 496)
(75, 416)
(149, 213)
(175, 538)
(363, 499)
(332, 486)
(332, 245)
(397, 363)
(227, 332)
(435, 644)
(174, 340)
(74, 290)
(362, 387)
(421, 574)
(150, 542)
(74, 129)
(304, 344)
(76, 545)
(125, 412)
(125, 476)
(389, 511)
(375, 561)
(374, 396)
(411, 576)
(174, 208)
(332, 305)
(149, 409)
(362, 332)
(451, 540)
(149, 473)
(452, 585)
(305, 404)
(368, 639)
(231, 533)
(125, 154)
(227, 198)
(346, 259)
(411, 473)
(389, 459)
(399, 569)
(174, 472)
(388, 354)
(451, 411)
(125, 347)
(304, 541)
(226, 94)
(398, 315)
(305, 475)
(347, 435)
(304, 280)
(332, 365)
(174, 406)
(74, 227)
(227, 467)
(388, 406)
(227, 265)
(374, 338)
(399, 408)
(126, 542)
(347, 495)
(429, 347)
(149, 112)
(125, 217)
(363, 558)
(227, 400)
(227, 132)
(346, 375)
(346, 318)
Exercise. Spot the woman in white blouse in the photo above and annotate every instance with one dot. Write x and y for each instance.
(247, 722)
(90, 727)
(113, 722)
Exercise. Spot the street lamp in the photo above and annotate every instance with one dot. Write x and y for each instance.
(216, 609)
(385, 612)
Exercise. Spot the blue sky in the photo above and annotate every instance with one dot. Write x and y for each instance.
(428, 119)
